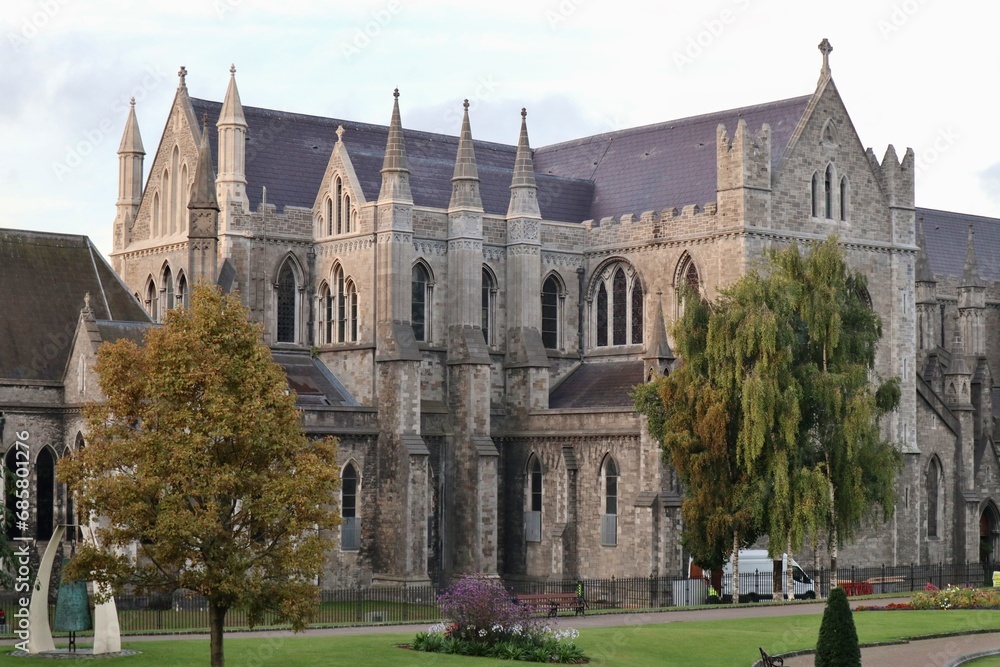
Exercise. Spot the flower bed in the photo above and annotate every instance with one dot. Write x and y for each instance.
(486, 621)
(951, 597)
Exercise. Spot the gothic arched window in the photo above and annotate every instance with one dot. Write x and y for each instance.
(285, 293)
(845, 200)
(151, 298)
(340, 204)
(168, 289)
(933, 482)
(533, 514)
(828, 192)
(350, 528)
(182, 290)
(352, 311)
(325, 315)
(550, 313)
(420, 303)
(609, 516)
(338, 286)
(329, 216)
(488, 303)
(345, 213)
(814, 196)
(45, 477)
(618, 313)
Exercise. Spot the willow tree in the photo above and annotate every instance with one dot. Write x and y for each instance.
(843, 400)
(197, 459)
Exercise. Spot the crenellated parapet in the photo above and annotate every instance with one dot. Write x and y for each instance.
(653, 226)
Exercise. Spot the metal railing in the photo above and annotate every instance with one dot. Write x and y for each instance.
(185, 611)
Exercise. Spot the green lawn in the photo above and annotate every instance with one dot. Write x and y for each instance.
(985, 662)
(732, 642)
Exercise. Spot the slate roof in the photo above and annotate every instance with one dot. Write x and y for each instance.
(946, 234)
(665, 165)
(288, 153)
(598, 385)
(112, 332)
(43, 279)
(313, 383)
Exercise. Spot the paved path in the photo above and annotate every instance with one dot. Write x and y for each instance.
(922, 653)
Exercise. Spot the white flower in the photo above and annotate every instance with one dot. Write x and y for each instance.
(482, 632)
(437, 628)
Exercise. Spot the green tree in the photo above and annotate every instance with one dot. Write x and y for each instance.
(772, 420)
(197, 457)
(838, 334)
(837, 645)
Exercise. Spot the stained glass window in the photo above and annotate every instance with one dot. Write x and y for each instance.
(619, 304)
(602, 316)
(341, 305)
(550, 313)
(637, 312)
(418, 309)
(286, 304)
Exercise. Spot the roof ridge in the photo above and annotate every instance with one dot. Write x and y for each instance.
(651, 127)
(410, 132)
(964, 215)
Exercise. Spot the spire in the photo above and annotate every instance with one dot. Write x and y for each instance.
(232, 107)
(395, 170)
(465, 181)
(523, 191)
(204, 178)
(970, 274)
(131, 140)
(825, 49)
(923, 268)
(659, 347)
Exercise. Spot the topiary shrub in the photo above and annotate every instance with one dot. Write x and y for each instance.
(838, 638)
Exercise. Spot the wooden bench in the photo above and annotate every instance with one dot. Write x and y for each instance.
(552, 603)
(769, 661)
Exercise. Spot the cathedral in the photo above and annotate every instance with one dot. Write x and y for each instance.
(468, 318)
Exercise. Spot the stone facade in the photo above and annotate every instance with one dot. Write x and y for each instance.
(487, 340)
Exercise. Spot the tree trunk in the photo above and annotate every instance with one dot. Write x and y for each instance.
(833, 540)
(789, 582)
(736, 567)
(217, 622)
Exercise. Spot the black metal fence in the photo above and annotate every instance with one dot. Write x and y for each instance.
(185, 612)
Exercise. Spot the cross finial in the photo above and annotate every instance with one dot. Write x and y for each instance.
(825, 48)
(465, 104)
(395, 93)
(340, 134)
(232, 69)
(182, 72)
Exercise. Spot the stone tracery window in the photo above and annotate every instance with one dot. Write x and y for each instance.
(325, 314)
(350, 528)
(533, 513)
(488, 304)
(609, 505)
(934, 501)
(420, 302)
(285, 295)
(828, 192)
(617, 308)
(550, 313)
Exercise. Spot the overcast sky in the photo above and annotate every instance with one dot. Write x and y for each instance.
(912, 73)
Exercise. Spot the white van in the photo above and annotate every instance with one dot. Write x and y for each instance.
(757, 577)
